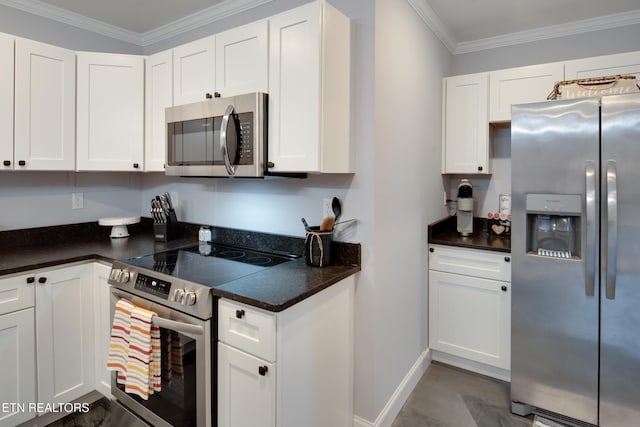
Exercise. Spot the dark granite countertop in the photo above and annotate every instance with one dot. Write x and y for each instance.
(443, 232)
(273, 289)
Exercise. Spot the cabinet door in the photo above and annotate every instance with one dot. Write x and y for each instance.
(243, 378)
(194, 71)
(470, 317)
(294, 89)
(65, 333)
(158, 96)
(242, 59)
(110, 112)
(102, 322)
(608, 65)
(16, 293)
(18, 367)
(519, 86)
(45, 108)
(466, 124)
(6, 101)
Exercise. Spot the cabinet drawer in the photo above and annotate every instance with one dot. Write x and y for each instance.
(17, 293)
(470, 262)
(248, 329)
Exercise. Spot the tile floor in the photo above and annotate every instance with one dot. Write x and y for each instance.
(447, 396)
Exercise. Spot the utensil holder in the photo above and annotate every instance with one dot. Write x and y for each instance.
(165, 231)
(317, 247)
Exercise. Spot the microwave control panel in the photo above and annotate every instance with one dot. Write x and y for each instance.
(245, 149)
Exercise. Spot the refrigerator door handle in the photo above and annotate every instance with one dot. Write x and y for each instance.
(612, 229)
(590, 263)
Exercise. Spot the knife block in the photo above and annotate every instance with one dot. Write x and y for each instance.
(165, 231)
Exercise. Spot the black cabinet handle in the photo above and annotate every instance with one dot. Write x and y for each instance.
(262, 370)
(504, 288)
(22, 163)
(271, 165)
(431, 250)
(479, 168)
(136, 165)
(208, 95)
(239, 314)
(216, 95)
(507, 259)
(31, 279)
(42, 280)
(7, 163)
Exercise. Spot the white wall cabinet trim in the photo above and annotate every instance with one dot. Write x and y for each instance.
(102, 323)
(45, 107)
(242, 59)
(194, 71)
(519, 86)
(465, 124)
(309, 90)
(110, 112)
(7, 43)
(607, 65)
(158, 96)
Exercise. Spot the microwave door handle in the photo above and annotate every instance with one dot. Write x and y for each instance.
(231, 169)
(612, 229)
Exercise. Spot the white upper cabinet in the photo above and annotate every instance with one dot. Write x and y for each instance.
(519, 86)
(110, 119)
(194, 71)
(465, 129)
(309, 90)
(242, 59)
(45, 89)
(600, 66)
(158, 96)
(6, 101)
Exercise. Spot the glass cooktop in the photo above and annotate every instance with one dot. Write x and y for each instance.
(207, 264)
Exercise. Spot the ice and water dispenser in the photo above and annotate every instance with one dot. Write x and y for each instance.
(553, 225)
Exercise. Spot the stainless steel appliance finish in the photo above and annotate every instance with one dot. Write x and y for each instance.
(575, 315)
(219, 137)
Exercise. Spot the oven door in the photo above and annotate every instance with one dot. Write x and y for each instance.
(186, 349)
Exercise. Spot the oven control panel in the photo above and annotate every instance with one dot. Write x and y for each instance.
(153, 286)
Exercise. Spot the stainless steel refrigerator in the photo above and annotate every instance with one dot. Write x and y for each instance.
(575, 351)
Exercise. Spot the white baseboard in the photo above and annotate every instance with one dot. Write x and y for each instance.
(470, 365)
(399, 396)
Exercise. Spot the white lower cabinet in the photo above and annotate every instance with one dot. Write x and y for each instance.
(287, 369)
(64, 333)
(102, 322)
(245, 378)
(470, 309)
(17, 350)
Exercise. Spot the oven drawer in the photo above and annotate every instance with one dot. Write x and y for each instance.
(247, 328)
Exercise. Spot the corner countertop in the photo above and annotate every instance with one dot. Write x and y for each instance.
(443, 232)
(273, 289)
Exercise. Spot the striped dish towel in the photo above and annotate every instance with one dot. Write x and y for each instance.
(137, 362)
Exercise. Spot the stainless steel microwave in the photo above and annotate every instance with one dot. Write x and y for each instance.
(219, 137)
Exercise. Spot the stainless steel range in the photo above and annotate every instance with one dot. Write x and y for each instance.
(177, 284)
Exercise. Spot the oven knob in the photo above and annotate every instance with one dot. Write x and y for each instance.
(178, 295)
(119, 275)
(189, 298)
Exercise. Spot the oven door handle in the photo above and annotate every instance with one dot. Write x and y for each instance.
(173, 325)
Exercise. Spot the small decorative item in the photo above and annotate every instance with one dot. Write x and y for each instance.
(499, 224)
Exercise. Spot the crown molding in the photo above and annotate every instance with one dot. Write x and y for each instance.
(424, 10)
(204, 17)
(199, 19)
(554, 31)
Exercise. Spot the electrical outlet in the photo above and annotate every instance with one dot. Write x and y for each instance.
(327, 210)
(174, 199)
(77, 200)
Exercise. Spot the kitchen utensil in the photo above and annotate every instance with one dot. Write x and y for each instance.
(304, 222)
(336, 206)
(327, 223)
